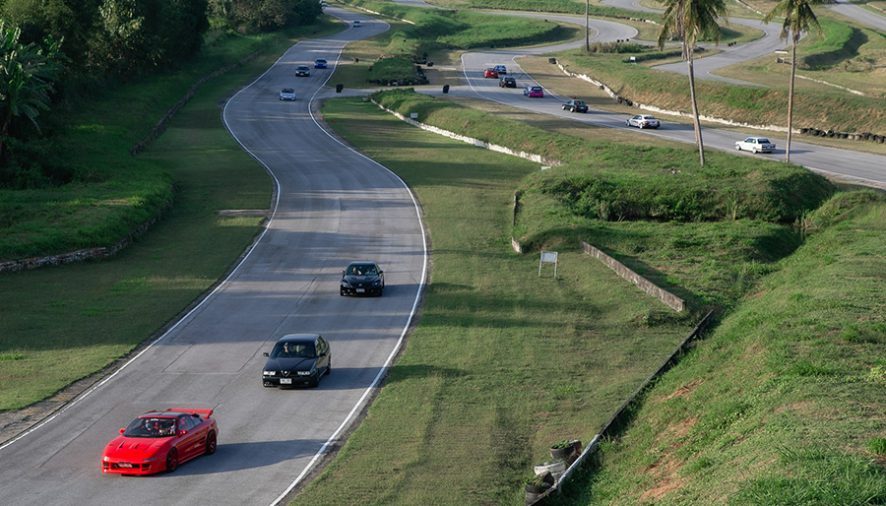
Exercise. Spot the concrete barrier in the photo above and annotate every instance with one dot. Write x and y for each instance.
(666, 297)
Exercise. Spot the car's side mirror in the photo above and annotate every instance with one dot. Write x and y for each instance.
(182, 432)
(266, 354)
(122, 430)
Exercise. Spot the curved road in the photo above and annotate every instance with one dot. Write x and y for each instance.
(334, 205)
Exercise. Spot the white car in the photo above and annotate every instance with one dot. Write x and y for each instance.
(643, 121)
(357, 23)
(755, 145)
(287, 94)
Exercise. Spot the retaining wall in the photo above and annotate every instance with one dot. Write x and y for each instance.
(622, 416)
(666, 297)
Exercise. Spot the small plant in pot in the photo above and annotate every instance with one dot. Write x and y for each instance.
(565, 449)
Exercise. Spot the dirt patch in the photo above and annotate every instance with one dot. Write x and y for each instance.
(666, 470)
(685, 390)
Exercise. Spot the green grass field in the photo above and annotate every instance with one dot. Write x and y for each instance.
(783, 404)
(88, 315)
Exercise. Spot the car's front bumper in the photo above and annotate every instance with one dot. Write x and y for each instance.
(361, 290)
(114, 466)
(293, 381)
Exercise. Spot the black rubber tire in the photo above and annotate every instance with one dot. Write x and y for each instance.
(211, 443)
(329, 367)
(172, 460)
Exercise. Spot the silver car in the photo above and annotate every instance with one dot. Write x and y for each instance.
(643, 121)
(287, 94)
(755, 145)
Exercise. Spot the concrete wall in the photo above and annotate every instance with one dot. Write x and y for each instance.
(669, 299)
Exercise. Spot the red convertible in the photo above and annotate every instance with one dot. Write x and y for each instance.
(159, 441)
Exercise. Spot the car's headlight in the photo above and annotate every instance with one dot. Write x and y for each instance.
(106, 459)
(345, 284)
(150, 459)
(304, 373)
(269, 373)
(377, 282)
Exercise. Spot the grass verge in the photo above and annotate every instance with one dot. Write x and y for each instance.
(783, 404)
(503, 362)
(88, 315)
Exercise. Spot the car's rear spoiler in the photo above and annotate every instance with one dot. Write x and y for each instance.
(205, 413)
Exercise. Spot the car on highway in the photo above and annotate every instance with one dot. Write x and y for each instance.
(321, 63)
(534, 92)
(297, 360)
(287, 94)
(159, 441)
(302, 71)
(507, 82)
(362, 278)
(755, 145)
(490, 73)
(501, 69)
(643, 121)
(575, 105)
(357, 23)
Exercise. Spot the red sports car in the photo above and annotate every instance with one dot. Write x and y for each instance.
(161, 440)
(490, 73)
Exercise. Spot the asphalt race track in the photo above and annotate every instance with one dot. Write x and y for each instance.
(334, 206)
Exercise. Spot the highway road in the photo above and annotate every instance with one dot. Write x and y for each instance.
(333, 205)
(864, 168)
(861, 15)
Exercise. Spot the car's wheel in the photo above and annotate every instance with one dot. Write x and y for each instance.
(738, 147)
(171, 460)
(329, 367)
(315, 382)
(211, 443)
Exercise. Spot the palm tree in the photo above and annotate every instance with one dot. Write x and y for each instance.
(798, 19)
(690, 20)
(27, 73)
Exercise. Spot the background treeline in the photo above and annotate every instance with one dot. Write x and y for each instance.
(56, 53)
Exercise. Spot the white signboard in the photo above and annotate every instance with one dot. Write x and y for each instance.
(548, 257)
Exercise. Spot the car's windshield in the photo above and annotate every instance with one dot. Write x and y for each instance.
(536, 88)
(362, 270)
(293, 350)
(151, 427)
(288, 90)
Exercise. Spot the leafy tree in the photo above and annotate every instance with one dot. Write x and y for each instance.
(264, 15)
(798, 19)
(27, 75)
(690, 20)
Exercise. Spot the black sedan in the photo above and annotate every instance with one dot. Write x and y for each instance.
(362, 278)
(297, 359)
(575, 106)
(302, 71)
(507, 82)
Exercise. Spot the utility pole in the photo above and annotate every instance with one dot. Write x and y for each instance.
(587, 26)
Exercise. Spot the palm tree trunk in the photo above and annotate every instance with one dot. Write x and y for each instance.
(588, 26)
(696, 122)
(787, 150)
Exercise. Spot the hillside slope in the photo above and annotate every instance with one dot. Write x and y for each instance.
(786, 402)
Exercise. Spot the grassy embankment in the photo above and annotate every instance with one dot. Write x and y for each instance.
(784, 403)
(734, 203)
(503, 362)
(87, 315)
(436, 34)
